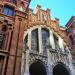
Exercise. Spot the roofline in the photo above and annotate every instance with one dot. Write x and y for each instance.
(69, 23)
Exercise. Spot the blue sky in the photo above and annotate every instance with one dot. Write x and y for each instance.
(62, 9)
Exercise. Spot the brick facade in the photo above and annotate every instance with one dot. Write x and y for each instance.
(70, 32)
(42, 20)
(11, 32)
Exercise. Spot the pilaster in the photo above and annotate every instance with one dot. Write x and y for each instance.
(26, 72)
(29, 40)
(61, 43)
(40, 40)
(49, 62)
(52, 39)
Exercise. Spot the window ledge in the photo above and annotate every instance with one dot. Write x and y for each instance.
(4, 16)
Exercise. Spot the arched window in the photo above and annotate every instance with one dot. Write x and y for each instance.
(45, 38)
(34, 39)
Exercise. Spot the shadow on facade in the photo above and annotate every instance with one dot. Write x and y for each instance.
(37, 68)
(60, 69)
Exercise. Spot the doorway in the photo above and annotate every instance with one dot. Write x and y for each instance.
(37, 68)
(60, 69)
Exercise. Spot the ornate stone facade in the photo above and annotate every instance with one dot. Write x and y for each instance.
(54, 51)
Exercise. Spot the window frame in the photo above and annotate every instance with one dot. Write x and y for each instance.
(36, 48)
(43, 42)
(7, 10)
(56, 42)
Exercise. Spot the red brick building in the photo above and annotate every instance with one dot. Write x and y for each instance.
(68, 35)
(12, 21)
(17, 31)
(70, 32)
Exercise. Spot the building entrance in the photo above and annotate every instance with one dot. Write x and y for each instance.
(37, 68)
(60, 70)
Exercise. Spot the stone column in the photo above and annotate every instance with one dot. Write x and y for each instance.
(9, 37)
(52, 40)
(26, 72)
(50, 72)
(40, 40)
(29, 40)
(61, 43)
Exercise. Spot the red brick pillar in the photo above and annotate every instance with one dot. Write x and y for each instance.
(14, 62)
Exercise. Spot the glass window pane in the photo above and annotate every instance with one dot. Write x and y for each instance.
(5, 11)
(34, 40)
(8, 10)
(56, 43)
(11, 12)
(45, 38)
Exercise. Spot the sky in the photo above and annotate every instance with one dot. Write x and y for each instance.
(62, 9)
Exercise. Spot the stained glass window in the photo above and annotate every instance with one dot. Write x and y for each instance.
(34, 40)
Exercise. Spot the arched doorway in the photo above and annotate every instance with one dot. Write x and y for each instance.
(60, 69)
(37, 68)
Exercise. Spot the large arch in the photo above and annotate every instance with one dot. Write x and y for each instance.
(37, 68)
(61, 69)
